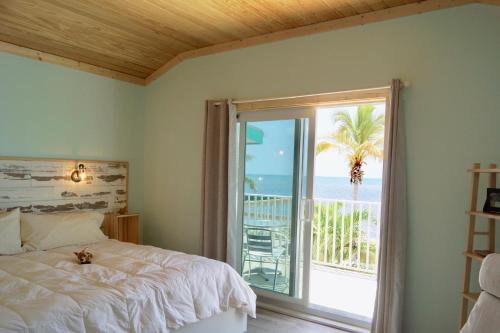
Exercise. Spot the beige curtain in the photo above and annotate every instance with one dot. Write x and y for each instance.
(215, 180)
(388, 314)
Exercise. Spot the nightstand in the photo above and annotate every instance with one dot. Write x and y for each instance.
(125, 227)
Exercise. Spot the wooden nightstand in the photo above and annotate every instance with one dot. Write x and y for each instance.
(124, 227)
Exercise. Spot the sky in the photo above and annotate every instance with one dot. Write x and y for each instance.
(332, 163)
(275, 155)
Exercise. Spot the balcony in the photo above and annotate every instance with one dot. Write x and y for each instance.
(344, 250)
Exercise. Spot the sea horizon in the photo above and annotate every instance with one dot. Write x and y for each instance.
(324, 187)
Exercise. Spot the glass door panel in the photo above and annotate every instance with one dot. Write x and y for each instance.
(267, 205)
(273, 176)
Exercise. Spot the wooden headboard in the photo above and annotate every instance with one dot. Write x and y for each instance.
(41, 185)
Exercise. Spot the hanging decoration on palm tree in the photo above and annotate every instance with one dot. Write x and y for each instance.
(358, 135)
(356, 172)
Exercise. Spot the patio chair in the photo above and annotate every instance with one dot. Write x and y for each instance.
(261, 244)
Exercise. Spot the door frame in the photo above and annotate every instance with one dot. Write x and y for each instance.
(306, 215)
(297, 104)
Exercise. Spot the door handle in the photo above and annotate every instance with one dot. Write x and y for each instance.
(307, 210)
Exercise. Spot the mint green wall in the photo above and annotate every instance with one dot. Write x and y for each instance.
(54, 111)
(451, 57)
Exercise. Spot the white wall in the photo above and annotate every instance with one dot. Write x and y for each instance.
(451, 57)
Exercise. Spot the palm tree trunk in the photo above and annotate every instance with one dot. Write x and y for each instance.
(355, 190)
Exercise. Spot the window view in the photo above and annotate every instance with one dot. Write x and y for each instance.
(347, 192)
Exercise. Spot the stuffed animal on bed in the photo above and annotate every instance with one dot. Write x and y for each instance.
(84, 256)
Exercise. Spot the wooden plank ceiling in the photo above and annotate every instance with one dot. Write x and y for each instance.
(134, 39)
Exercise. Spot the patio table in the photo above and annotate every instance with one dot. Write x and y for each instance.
(268, 224)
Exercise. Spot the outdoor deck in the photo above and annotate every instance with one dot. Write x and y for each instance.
(330, 287)
(343, 290)
(344, 250)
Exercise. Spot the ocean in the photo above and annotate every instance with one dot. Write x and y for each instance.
(324, 187)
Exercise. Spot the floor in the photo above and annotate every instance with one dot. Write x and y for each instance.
(272, 322)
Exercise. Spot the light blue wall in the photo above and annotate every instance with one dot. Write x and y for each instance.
(53, 111)
(451, 57)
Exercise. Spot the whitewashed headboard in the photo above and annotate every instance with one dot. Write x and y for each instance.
(44, 185)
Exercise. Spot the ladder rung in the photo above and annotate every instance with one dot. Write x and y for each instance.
(471, 296)
(477, 254)
(483, 214)
(486, 170)
(481, 233)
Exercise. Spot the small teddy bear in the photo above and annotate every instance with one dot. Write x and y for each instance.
(84, 257)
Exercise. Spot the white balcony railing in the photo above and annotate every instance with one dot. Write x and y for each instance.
(345, 232)
(267, 210)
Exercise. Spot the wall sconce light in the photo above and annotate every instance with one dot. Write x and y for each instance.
(79, 173)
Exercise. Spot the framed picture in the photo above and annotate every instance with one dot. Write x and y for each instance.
(492, 204)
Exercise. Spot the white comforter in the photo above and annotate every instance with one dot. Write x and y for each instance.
(127, 288)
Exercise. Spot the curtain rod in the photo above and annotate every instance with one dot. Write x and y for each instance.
(246, 101)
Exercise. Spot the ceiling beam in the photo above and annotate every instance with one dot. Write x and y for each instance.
(376, 16)
(54, 59)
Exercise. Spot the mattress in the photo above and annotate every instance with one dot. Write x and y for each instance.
(127, 288)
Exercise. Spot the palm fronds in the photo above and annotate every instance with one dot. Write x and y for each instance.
(358, 136)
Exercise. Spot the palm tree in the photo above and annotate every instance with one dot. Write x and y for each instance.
(358, 135)
(248, 180)
(251, 183)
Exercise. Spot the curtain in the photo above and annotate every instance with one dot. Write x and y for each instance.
(387, 317)
(215, 181)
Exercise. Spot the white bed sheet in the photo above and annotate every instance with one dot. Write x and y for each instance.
(127, 288)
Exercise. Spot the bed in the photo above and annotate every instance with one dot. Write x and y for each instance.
(127, 288)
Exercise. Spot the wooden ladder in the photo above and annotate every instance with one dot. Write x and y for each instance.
(471, 253)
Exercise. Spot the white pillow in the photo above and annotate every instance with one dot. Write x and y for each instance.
(10, 234)
(48, 231)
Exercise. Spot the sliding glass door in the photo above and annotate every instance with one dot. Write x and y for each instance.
(313, 256)
(275, 181)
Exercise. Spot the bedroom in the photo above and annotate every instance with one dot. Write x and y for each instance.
(450, 102)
